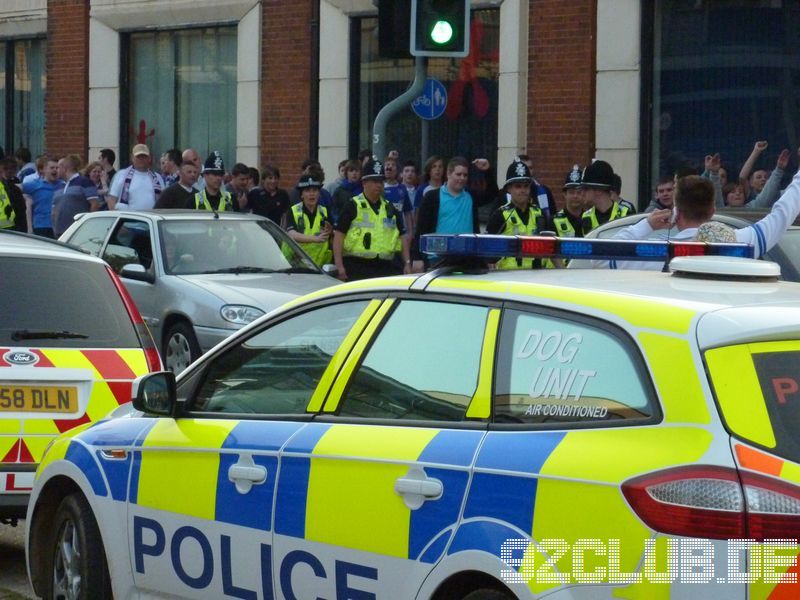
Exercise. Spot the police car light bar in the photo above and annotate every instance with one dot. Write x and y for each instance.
(494, 246)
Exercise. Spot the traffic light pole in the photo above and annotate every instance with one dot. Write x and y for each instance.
(395, 106)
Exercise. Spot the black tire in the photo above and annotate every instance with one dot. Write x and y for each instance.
(180, 347)
(488, 594)
(76, 567)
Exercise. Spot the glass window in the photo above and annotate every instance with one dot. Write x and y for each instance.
(552, 370)
(91, 234)
(23, 82)
(88, 305)
(725, 74)
(277, 370)
(230, 245)
(129, 244)
(193, 72)
(423, 364)
(469, 125)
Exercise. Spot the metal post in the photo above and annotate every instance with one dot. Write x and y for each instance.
(426, 132)
(395, 106)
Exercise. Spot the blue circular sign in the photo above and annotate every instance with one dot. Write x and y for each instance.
(432, 102)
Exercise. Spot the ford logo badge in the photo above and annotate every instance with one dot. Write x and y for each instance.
(20, 357)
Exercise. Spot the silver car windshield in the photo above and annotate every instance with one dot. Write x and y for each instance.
(195, 246)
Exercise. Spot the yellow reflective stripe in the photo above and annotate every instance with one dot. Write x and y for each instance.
(790, 472)
(318, 397)
(642, 312)
(36, 444)
(616, 454)
(11, 426)
(675, 374)
(739, 393)
(480, 407)
(339, 384)
(57, 452)
(40, 426)
(182, 482)
(382, 284)
(784, 346)
(567, 510)
(6, 443)
(351, 518)
(135, 359)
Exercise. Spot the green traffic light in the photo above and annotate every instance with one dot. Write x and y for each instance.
(442, 32)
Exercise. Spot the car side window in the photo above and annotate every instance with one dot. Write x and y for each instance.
(423, 364)
(91, 234)
(276, 371)
(558, 370)
(129, 244)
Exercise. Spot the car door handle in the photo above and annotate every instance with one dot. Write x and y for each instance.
(245, 474)
(416, 488)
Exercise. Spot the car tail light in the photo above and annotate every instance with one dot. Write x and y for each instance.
(696, 501)
(773, 507)
(716, 503)
(148, 345)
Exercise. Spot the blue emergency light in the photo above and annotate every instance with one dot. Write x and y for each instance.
(470, 245)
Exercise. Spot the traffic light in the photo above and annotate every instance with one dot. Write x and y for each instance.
(439, 27)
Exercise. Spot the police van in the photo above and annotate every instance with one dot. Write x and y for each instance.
(462, 434)
(71, 344)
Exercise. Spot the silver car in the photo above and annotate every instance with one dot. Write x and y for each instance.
(197, 277)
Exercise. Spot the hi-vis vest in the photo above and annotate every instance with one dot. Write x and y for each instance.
(372, 235)
(201, 201)
(514, 226)
(590, 216)
(319, 252)
(563, 225)
(8, 217)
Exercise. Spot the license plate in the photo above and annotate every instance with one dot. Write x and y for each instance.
(36, 398)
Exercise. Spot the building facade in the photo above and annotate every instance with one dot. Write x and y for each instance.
(647, 86)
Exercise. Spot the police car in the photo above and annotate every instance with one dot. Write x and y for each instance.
(71, 344)
(462, 434)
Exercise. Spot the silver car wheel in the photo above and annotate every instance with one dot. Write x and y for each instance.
(179, 353)
(67, 564)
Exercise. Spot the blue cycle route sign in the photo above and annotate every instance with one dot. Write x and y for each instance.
(432, 102)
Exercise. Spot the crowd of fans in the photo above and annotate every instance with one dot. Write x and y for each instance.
(368, 219)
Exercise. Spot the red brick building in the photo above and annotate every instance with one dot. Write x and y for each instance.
(640, 85)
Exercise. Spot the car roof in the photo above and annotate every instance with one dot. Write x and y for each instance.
(641, 299)
(182, 214)
(15, 243)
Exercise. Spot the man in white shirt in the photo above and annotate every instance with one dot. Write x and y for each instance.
(694, 206)
(137, 187)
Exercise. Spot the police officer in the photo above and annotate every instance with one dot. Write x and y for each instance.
(213, 197)
(307, 222)
(369, 232)
(568, 222)
(12, 204)
(598, 178)
(518, 216)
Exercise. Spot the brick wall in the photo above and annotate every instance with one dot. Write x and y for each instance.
(286, 86)
(67, 97)
(561, 87)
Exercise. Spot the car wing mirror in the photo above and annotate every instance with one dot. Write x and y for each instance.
(137, 272)
(155, 393)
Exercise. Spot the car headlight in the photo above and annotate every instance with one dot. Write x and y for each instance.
(240, 314)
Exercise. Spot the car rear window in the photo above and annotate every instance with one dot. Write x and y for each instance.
(44, 298)
(757, 387)
(555, 370)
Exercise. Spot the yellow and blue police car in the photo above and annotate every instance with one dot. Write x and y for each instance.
(461, 434)
(71, 344)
